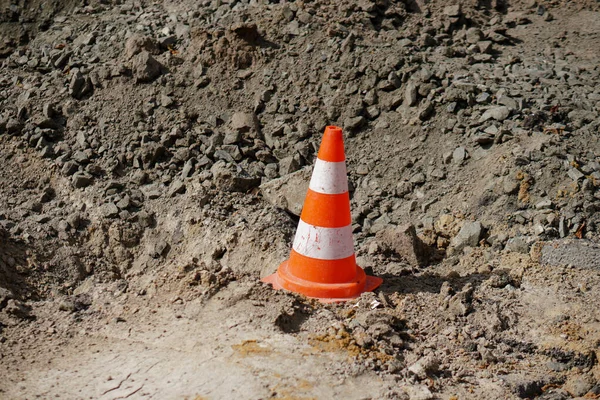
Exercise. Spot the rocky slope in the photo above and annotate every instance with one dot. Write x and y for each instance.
(156, 155)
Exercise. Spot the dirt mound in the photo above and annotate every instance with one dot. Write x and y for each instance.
(153, 162)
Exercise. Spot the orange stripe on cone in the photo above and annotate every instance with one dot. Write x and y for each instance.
(314, 267)
(322, 271)
(315, 203)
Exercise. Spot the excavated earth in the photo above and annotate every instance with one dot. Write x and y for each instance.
(154, 157)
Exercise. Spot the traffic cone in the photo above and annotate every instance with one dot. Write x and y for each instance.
(322, 263)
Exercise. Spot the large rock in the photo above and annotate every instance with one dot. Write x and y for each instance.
(425, 366)
(469, 235)
(288, 192)
(498, 113)
(109, 210)
(138, 43)
(403, 241)
(81, 180)
(453, 10)
(230, 179)
(354, 123)
(145, 68)
(411, 94)
(245, 123)
(290, 164)
(517, 245)
(474, 35)
(79, 85)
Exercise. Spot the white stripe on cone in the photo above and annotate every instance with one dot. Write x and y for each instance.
(329, 177)
(323, 243)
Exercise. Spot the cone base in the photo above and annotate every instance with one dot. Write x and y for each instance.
(324, 292)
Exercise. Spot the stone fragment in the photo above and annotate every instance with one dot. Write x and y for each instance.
(460, 304)
(354, 123)
(426, 40)
(392, 82)
(232, 137)
(418, 392)
(498, 113)
(77, 85)
(145, 219)
(166, 101)
(13, 126)
(372, 112)
(48, 110)
(224, 155)
(474, 35)
(411, 94)
(145, 68)
(575, 174)
(138, 43)
(485, 46)
(371, 97)
(483, 97)
(418, 178)
(110, 210)
(509, 102)
(124, 203)
(425, 366)
(544, 204)
(81, 180)
(453, 10)
(188, 169)
(177, 187)
(459, 155)
(232, 179)
(159, 249)
(437, 173)
(245, 122)
(288, 192)
(426, 111)
(483, 138)
(289, 164)
(517, 245)
(403, 241)
(233, 150)
(63, 59)
(510, 185)
(81, 157)
(469, 235)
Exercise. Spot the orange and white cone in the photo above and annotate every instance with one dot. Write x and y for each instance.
(322, 263)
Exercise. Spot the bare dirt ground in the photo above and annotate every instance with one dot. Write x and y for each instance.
(153, 162)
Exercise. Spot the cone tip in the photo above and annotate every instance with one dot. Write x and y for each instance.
(332, 145)
(332, 129)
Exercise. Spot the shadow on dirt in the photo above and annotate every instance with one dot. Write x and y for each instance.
(13, 272)
(293, 320)
(427, 282)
